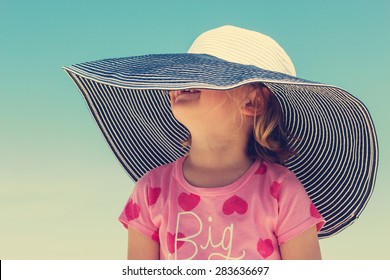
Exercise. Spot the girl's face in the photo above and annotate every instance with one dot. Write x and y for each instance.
(216, 110)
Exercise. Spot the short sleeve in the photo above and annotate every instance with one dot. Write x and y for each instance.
(297, 213)
(136, 213)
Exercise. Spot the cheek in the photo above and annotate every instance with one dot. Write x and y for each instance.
(217, 102)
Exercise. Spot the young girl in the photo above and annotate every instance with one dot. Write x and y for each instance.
(227, 199)
(253, 129)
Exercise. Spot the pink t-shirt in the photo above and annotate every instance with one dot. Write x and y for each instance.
(247, 219)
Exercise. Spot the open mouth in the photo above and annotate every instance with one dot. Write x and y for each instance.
(185, 92)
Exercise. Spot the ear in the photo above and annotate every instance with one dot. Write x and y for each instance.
(256, 101)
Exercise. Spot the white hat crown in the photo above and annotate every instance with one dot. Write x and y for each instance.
(244, 46)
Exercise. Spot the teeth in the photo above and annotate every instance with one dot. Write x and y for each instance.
(190, 90)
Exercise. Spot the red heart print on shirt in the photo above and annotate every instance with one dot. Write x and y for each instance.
(262, 169)
(188, 201)
(132, 210)
(153, 195)
(265, 247)
(156, 236)
(275, 190)
(235, 204)
(314, 212)
(171, 241)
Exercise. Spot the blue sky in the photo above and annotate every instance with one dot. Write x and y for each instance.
(61, 188)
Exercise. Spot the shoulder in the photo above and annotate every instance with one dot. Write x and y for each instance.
(276, 172)
(283, 179)
(159, 173)
(157, 184)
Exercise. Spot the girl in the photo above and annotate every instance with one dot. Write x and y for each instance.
(253, 129)
(225, 199)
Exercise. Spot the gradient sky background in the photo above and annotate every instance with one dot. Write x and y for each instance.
(61, 188)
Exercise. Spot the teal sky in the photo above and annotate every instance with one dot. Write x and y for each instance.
(61, 188)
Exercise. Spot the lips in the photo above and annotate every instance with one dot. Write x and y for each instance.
(186, 94)
(187, 91)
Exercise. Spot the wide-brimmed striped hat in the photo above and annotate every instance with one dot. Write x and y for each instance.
(334, 136)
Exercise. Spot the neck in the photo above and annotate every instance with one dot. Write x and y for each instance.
(216, 154)
(212, 164)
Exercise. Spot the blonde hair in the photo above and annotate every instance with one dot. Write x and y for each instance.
(268, 140)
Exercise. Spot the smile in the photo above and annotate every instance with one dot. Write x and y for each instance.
(186, 94)
(187, 91)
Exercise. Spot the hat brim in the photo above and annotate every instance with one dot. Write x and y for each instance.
(334, 136)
